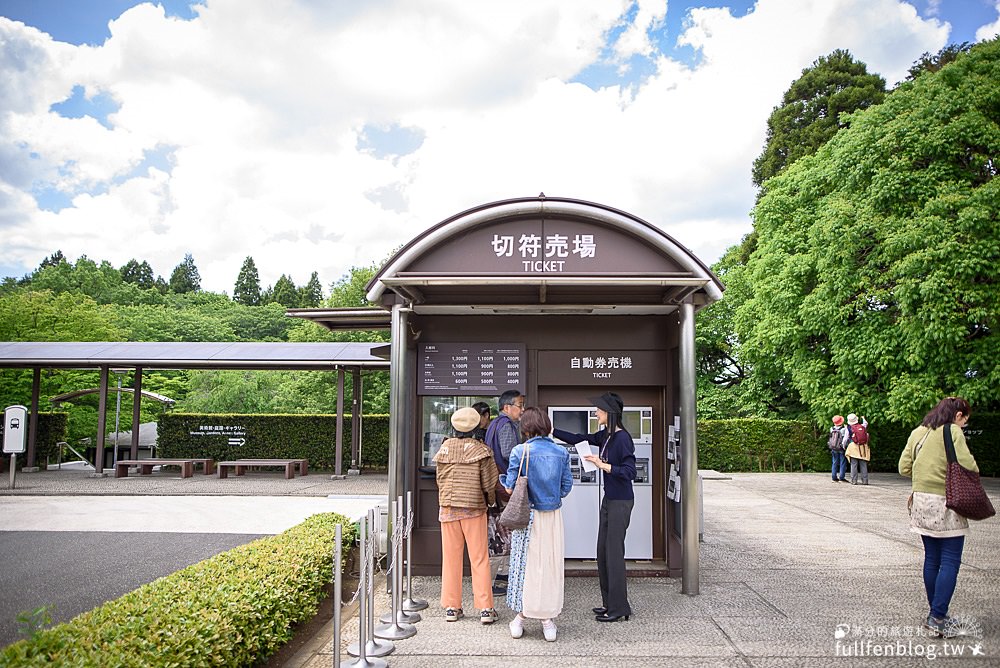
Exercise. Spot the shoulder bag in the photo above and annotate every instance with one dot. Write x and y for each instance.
(963, 489)
(517, 513)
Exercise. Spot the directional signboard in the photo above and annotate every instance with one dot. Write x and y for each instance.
(15, 429)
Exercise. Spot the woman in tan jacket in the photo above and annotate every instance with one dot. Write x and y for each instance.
(466, 480)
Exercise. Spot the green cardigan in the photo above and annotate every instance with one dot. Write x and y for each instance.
(929, 470)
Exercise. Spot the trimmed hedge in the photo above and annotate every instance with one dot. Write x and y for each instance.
(234, 609)
(52, 428)
(312, 437)
(758, 444)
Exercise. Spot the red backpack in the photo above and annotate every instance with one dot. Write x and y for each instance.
(859, 434)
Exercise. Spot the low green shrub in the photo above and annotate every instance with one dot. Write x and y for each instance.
(234, 609)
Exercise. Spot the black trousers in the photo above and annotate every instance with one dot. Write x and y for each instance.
(615, 516)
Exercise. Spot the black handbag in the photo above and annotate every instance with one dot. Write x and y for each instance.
(517, 513)
(963, 489)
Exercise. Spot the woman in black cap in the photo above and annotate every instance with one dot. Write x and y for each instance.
(616, 460)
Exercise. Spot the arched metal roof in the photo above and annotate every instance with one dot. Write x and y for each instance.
(681, 277)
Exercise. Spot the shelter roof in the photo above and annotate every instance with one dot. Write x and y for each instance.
(185, 355)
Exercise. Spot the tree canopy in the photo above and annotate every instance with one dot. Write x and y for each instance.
(247, 288)
(185, 277)
(812, 110)
(874, 280)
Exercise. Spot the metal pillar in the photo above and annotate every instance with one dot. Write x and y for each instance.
(102, 425)
(397, 407)
(136, 415)
(690, 569)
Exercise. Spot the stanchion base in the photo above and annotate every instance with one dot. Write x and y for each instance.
(414, 604)
(372, 648)
(402, 617)
(366, 663)
(397, 631)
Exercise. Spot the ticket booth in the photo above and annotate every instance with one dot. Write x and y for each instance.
(563, 300)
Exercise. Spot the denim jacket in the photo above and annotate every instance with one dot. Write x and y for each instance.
(549, 477)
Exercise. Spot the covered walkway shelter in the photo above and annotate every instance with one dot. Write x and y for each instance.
(106, 357)
(561, 299)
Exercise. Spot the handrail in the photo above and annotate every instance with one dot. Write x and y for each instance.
(75, 452)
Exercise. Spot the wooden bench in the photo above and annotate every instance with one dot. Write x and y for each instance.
(241, 465)
(145, 466)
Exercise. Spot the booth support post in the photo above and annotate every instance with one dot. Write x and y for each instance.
(397, 406)
(690, 568)
(102, 425)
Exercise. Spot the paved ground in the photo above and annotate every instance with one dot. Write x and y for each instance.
(788, 560)
(72, 542)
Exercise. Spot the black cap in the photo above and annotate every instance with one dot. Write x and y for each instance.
(609, 402)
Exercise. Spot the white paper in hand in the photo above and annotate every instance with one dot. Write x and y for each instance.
(583, 448)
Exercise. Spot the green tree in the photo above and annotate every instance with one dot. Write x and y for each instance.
(138, 273)
(53, 260)
(929, 63)
(185, 277)
(812, 110)
(873, 284)
(285, 292)
(311, 294)
(247, 288)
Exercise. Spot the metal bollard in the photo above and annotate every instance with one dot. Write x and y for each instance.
(398, 529)
(362, 660)
(395, 628)
(410, 604)
(374, 646)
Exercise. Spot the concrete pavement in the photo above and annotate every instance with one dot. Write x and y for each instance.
(789, 563)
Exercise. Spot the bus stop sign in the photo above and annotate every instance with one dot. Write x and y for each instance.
(15, 429)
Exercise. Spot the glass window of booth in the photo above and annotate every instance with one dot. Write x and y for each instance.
(435, 422)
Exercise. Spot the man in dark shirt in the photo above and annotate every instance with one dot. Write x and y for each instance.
(502, 435)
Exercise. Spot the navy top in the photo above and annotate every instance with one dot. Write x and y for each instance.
(619, 451)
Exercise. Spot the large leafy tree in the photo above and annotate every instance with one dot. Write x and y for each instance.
(873, 286)
(811, 110)
(247, 288)
(185, 277)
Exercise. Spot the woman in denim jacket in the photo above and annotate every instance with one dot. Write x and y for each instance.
(537, 553)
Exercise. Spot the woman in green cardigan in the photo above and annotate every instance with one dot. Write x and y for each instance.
(942, 530)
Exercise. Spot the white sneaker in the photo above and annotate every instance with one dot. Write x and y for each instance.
(549, 630)
(517, 627)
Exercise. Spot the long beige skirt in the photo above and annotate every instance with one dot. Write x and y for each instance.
(543, 592)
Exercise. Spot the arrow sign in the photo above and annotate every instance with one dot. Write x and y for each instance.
(237, 441)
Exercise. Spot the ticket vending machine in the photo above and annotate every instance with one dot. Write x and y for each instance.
(581, 509)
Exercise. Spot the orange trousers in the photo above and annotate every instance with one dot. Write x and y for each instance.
(455, 536)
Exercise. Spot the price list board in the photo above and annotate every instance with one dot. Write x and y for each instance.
(468, 369)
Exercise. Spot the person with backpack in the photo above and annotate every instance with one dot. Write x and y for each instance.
(837, 442)
(858, 452)
(502, 435)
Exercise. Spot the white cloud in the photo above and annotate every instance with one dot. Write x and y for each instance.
(990, 30)
(265, 103)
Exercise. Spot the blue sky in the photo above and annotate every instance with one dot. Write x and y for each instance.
(321, 135)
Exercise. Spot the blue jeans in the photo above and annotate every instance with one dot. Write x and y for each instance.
(942, 559)
(839, 463)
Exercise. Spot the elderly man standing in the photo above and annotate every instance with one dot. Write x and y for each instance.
(502, 435)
